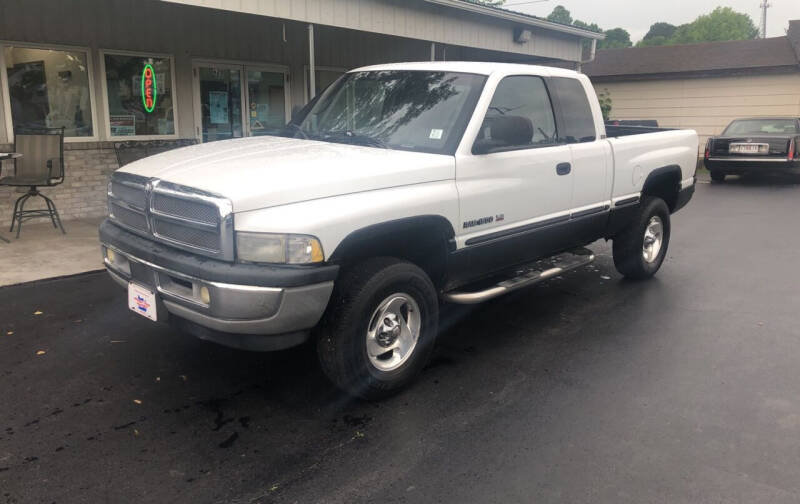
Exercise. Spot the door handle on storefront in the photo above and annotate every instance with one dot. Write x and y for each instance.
(563, 168)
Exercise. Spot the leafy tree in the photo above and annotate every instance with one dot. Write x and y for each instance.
(560, 15)
(657, 30)
(722, 24)
(616, 38)
(604, 97)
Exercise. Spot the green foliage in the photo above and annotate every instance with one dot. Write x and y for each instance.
(616, 38)
(604, 97)
(560, 15)
(657, 30)
(722, 24)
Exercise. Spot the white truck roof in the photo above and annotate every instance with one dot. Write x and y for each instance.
(481, 68)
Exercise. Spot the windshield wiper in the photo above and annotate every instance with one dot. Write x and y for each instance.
(354, 138)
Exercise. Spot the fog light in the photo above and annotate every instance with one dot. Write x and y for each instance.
(110, 255)
(205, 295)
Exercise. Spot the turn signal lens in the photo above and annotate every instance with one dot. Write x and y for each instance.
(205, 295)
(792, 147)
(110, 255)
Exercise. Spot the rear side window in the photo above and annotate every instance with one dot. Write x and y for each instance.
(519, 117)
(575, 111)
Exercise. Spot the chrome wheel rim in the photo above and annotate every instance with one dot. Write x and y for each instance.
(653, 239)
(393, 332)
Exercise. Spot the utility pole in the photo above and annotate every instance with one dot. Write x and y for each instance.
(764, 6)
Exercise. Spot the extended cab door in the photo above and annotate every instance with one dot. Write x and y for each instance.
(592, 162)
(515, 182)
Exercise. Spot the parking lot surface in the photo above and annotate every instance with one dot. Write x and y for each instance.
(585, 389)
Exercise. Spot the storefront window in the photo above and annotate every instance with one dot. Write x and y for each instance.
(140, 99)
(49, 89)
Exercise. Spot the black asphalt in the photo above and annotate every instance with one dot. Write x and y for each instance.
(587, 389)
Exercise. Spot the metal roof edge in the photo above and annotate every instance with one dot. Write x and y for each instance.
(517, 18)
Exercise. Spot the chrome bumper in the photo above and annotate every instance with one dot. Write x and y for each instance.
(221, 307)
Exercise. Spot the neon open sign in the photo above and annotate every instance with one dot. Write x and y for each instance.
(149, 88)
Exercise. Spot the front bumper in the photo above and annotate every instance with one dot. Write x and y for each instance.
(243, 306)
(740, 165)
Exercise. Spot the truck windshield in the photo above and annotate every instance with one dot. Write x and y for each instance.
(761, 126)
(419, 111)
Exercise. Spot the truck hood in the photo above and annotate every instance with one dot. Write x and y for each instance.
(262, 172)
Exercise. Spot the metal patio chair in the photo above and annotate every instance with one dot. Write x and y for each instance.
(41, 165)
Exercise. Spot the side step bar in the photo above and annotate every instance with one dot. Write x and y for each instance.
(524, 276)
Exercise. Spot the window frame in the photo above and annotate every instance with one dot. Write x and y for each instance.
(561, 121)
(556, 119)
(6, 96)
(306, 72)
(107, 110)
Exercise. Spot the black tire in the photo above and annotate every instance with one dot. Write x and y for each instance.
(628, 245)
(342, 340)
(717, 176)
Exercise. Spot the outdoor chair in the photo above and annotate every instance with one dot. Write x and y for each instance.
(41, 165)
(128, 152)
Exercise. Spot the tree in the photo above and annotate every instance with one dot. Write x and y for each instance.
(560, 15)
(604, 97)
(657, 30)
(723, 23)
(616, 38)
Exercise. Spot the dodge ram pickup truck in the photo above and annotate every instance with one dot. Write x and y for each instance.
(403, 187)
(755, 145)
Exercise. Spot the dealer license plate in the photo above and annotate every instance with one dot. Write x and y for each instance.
(142, 300)
(748, 148)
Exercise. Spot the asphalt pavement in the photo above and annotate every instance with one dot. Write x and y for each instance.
(585, 389)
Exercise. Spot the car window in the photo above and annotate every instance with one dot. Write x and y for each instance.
(576, 112)
(519, 116)
(755, 126)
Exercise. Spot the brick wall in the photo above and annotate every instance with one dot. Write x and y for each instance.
(83, 194)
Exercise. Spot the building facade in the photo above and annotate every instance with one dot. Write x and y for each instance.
(138, 70)
(703, 86)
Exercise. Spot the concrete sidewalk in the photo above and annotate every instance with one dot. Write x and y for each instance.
(43, 252)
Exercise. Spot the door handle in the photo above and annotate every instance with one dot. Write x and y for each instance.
(563, 168)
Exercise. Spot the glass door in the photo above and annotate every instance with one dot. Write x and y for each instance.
(267, 101)
(218, 102)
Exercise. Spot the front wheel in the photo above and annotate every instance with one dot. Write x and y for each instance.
(379, 330)
(639, 250)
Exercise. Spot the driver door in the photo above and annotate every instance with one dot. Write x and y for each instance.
(515, 187)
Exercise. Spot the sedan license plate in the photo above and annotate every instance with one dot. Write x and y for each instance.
(142, 300)
(748, 148)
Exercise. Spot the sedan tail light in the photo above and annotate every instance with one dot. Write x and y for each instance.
(792, 147)
(708, 149)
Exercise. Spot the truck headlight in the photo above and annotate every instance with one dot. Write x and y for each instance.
(278, 248)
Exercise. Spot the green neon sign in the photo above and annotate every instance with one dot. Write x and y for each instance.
(149, 88)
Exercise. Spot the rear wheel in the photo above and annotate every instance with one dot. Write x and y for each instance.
(380, 327)
(639, 250)
(717, 176)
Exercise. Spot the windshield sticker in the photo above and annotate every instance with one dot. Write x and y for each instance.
(436, 134)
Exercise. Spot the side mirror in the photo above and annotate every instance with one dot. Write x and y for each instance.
(483, 146)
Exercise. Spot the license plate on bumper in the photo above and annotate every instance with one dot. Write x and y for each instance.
(748, 148)
(142, 301)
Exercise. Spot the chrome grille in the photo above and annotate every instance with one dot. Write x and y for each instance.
(129, 217)
(181, 216)
(192, 210)
(208, 240)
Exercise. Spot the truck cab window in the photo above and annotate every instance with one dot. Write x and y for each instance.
(520, 116)
(575, 111)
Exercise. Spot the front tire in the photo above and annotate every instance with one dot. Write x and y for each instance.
(380, 327)
(640, 249)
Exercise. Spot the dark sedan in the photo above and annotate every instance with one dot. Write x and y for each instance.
(756, 145)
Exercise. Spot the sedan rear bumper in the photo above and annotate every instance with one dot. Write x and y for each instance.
(740, 165)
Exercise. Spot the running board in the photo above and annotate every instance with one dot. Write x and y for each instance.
(525, 276)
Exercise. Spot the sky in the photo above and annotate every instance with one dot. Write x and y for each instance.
(636, 16)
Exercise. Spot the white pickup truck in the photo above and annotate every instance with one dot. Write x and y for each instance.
(401, 187)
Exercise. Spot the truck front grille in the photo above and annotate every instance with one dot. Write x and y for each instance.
(181, 216)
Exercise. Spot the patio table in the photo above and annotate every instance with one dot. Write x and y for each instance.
(3, 157)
